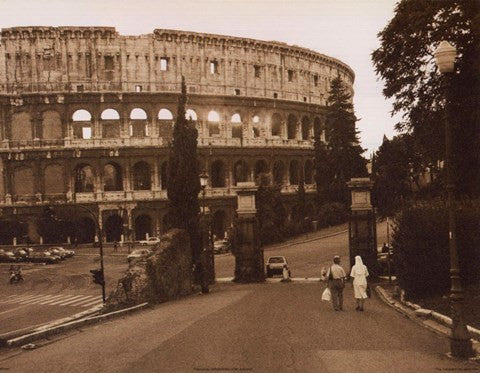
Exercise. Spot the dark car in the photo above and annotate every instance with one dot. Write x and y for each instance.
(21, 254)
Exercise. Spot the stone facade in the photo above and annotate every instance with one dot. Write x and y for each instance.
(86, 118)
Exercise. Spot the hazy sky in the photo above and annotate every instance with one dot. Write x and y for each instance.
(345, 29)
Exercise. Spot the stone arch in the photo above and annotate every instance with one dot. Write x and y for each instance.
(21, 126)
(256, 126)
(260, 168)
(143, 226)
(84, 178)
(112, 177)
(219, 220)
(240, 172)
(23, 181)
(305, 128)
(82, 124)
(142, 179)
(318, 128)
(164, 175)
(138, 123)
(279, 172)
(291, 127)
(213, 120)
(53, 179)
(165, 114)
(113, 228)
(191, 114)
(110, 123)
(218, 174)
(236, 122)
(276, 125)
(52, 125)
(294, 172)
(85, 230)
(308, 172)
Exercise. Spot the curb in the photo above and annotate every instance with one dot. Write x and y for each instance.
(418, 314)
(279, 246)
(58, 327)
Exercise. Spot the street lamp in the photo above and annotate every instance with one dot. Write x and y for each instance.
(460, 344)
(203, 184)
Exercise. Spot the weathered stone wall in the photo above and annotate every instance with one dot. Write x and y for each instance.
(164, 276)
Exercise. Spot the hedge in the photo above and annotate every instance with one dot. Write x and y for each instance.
(421, 249)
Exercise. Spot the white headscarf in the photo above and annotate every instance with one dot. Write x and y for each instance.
(359, 267)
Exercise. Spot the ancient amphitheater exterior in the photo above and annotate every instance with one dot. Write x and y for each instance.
(86, 117)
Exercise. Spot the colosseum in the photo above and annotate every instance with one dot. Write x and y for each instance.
(86, 118)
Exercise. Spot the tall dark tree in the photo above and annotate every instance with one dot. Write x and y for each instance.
(183, 179)
(406, 64)
(344, 153)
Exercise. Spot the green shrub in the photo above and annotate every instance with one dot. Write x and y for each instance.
(421, 251)
(332, 213)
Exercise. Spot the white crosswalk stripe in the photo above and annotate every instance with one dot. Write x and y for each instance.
(62, 300)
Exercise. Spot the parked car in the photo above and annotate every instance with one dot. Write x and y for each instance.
(43, 257)
(221, 246)
(21, 254)
(66, 252)
(275, 265)
(139, 254)
(150, 241)
(56, 252)
(383, 257)
(7, 256)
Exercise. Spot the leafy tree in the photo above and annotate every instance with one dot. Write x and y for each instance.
(343, 153)
(406, 64)
(183, 179)
(271, 212)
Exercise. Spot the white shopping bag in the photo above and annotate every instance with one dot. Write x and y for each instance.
(327, 295)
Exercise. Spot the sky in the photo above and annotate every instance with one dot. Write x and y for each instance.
(344, 29)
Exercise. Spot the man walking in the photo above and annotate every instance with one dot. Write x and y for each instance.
(336, 282)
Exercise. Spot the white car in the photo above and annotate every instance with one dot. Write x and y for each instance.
(275, 265)
(139, 254)
(150, 241)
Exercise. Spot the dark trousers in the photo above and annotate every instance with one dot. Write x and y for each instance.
(336, 288)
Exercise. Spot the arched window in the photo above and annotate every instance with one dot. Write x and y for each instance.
(261, 168)
(213, 116)
(305, 128)
(110, 124)
(82, 125)
(138, 123)
(240, 172)
(256, 126)
(23, 181)
(143, 226)
(237, 131)
(294, 172)
(52, 125)
(110, 114)
(279, 172)
(165, 114)
(236, 118)
(81, 116)
(292, 127)
(191, 114)
(112, 177)
(309, 172)
(141, 176)
(318, 128)
(21, 126)
(113, 228)
(53, 173)
(276, 125)
(138, 114)
(218, 174)
(84, 179)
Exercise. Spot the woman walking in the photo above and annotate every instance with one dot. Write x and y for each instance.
(359, 273)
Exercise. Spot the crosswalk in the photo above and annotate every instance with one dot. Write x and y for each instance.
(67, 300)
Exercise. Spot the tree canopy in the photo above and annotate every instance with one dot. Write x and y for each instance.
(405, 62)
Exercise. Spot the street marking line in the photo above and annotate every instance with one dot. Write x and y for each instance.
(87, 299)
(20, 298)
(38, 300)
(55, 298)
(82, 300)
(37, 297)
(97, 301)
(62, 302)
(13, 309)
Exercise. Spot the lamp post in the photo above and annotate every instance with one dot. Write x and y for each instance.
(203, 274)
(460, 344)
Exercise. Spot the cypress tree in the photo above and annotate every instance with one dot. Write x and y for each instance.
(183, 181)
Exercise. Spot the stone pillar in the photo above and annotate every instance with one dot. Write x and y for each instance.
(362, 225)
(249, 266)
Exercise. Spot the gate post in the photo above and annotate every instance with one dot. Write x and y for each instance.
(362, 228)
(249, 266)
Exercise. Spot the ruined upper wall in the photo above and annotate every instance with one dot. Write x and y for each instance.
(38, 59)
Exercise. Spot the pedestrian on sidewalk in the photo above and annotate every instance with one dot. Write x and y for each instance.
(359, 273)
(115, 246)
(336, 282)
